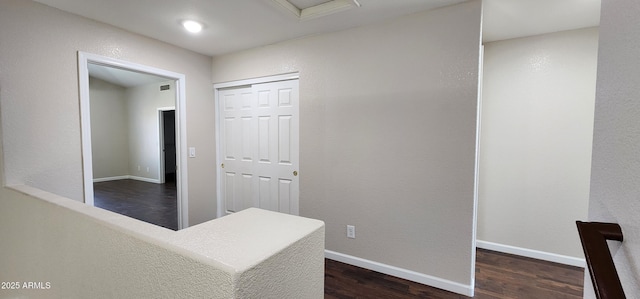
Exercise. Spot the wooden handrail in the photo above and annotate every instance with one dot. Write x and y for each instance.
(605, 279)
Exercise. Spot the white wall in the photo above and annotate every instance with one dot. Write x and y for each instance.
(109, 123)
(39, 83)
(387, 135)
(125, 133)
(535, 152)
(78, 251)
(615, 170)
(144, 134)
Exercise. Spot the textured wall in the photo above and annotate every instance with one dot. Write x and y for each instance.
(387, 134)
(85, 252)
(535, 149)
(109, 123)
(615, 187)
(125, 132)
(82, 257)
(144, 134)
(40, 98)
(276, 255)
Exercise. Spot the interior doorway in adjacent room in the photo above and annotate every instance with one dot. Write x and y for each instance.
(168, 145)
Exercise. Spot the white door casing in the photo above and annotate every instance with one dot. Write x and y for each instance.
(84, 59)
(259, 147)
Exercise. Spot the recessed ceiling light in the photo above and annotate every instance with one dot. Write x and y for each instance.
(192, 26)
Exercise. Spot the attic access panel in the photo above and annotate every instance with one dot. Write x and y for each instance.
(311, 9)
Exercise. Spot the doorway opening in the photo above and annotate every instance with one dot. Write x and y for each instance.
(168, 145)
(151, 127)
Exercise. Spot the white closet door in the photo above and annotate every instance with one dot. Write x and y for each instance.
(259, 144)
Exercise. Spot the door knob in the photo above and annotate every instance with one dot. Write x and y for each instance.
(295, 173)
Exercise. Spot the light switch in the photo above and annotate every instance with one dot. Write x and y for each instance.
(192, 152)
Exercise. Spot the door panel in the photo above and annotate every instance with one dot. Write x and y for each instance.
(260, 147)
(228, 186)
(264, 145)
(284, 200)
(228, 143)
(284, 139)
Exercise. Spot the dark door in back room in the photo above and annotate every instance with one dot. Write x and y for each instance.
(169, 145)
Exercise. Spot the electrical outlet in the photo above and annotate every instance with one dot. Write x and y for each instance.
(351, 232)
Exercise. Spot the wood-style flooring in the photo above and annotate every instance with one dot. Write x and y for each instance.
(498, 275)
(149, 202)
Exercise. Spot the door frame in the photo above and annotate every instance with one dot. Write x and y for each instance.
(232, 84)
(84, 59)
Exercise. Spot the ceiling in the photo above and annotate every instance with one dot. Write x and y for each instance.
(232, 25)
(505, 19)
(121, 77)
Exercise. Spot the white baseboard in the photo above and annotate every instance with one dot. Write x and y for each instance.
(466, 290)
(139, 178)
(113, 178)
(536, 254)
(126, 177)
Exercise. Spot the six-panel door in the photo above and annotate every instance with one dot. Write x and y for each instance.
(259, 144)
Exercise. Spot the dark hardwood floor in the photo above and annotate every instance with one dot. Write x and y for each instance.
(498, 275)
(149, 202)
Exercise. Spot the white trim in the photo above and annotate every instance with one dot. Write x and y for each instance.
(85, 127)
(219, 205)
(161, 149)
(429, 280)
(476, 174)
(231, 84)
(181, 126)
(182, 182)
(536, 254)
(127, 177)
(112, 178)
(274, 78)
(143, 179)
